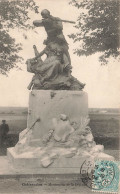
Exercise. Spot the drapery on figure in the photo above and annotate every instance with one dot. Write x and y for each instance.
(55, 71)
(55, 64)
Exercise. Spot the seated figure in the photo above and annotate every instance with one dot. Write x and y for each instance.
(54, 64)
(52, 73)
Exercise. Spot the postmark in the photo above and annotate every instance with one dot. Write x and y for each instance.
(101, 175)
(106, 176)
(86, 171)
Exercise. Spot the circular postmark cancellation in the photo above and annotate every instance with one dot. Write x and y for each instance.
(87, 171)
(98, 174)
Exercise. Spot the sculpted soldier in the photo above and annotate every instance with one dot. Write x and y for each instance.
(51, 73)
(53, 27)
(56, 63)
(54, 30)
(55, 71)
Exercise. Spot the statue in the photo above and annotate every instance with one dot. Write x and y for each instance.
(55, 71)
(53, 27)
(57, 124)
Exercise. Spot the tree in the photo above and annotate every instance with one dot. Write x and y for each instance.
(13, 14)
(97, 28)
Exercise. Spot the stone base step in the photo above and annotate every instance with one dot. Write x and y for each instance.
(59, 166)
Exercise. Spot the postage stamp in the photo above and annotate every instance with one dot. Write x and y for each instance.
(101, 175)
(106, 176)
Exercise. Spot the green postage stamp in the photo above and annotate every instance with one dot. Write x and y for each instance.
(106, 176)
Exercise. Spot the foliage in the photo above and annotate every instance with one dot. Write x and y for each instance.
(97, 28)
(13, 14)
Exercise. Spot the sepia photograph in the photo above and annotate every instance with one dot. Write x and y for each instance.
(59, 96)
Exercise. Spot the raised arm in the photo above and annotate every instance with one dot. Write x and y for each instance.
(37, 54)
(38, 23)
(40, 54)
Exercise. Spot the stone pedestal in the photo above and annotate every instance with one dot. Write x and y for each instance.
(48, 104)
(28, 162)
(61, 140)
(59, 166)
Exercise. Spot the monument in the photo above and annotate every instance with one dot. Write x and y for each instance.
(58, 138)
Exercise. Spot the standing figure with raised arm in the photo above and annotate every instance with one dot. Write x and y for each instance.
(55, 71)
(54, 29)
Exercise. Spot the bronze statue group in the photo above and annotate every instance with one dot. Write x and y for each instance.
(55, 71)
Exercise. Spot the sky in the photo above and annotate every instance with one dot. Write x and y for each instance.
(102, 82)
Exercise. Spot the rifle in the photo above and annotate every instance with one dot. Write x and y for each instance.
(60, 20)
(30, 85)
(36, 54)
(67, 21)
(33, 124)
